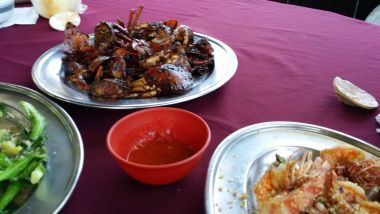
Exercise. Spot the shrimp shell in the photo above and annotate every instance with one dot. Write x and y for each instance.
(280, 191)
(342, 154)
(365, 173)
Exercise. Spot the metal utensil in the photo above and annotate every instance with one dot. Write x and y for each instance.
(10, 116)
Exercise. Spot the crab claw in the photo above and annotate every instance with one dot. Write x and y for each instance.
(75, 41)
(170, 79)
(109, 88)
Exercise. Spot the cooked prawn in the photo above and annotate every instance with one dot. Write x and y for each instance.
(283, 176)
(343, 196)
(365, 173)
(339, 181)
(337, 155)
(291, 187)
(354, 165)
(346, 197)
(369, 207)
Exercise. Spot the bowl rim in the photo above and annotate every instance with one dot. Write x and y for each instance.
(162, 166)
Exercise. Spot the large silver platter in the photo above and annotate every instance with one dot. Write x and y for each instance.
(244, 156)
(64, 148)
(47, 75)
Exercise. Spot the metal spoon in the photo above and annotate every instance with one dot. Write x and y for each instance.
(10, 117)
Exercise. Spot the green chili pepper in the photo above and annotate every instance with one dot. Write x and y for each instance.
(11, 191)
(37, 120)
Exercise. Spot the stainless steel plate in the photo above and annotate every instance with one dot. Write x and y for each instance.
(65, 151)
(244, 156)
(47, 75)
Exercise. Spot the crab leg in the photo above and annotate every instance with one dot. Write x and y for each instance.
(141, 7)
(121, 32)
(149, 94)
(120, 22)
(131, 15)
(123, 37)
(99, 73)
(120, 28)
(139, 82)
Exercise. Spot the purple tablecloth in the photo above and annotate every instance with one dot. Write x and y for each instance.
(288, 57)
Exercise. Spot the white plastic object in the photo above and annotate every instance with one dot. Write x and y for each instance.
(59, 20)
(49, 8)
(351, 94)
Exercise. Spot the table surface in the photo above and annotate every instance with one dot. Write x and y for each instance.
(288, 57)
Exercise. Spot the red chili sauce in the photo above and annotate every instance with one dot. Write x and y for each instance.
(159, 151)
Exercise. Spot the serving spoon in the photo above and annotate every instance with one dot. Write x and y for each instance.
(12, 117)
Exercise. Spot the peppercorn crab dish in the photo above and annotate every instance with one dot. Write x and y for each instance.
(134, 64)
(135, 61)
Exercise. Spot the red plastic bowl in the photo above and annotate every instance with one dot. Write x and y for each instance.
(189, 128)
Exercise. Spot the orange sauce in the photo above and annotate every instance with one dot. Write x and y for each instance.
(159, 151)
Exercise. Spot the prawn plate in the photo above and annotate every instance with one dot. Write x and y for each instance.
(64, 150)
(47, 74)
(243, 157)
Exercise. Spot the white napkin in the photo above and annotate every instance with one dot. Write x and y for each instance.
(21, 16)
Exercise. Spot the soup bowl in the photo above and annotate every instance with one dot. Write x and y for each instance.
(159, 145)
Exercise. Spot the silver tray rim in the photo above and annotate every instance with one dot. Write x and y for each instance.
(229, 73)
(64, 117)
(221, 149)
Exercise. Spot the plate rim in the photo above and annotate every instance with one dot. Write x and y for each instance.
(57, 111)
(305, 127)
(230, 73)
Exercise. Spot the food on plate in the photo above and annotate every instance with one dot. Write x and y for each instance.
(351, 94)
(22, 154)
(134, 60)
(341, 180)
